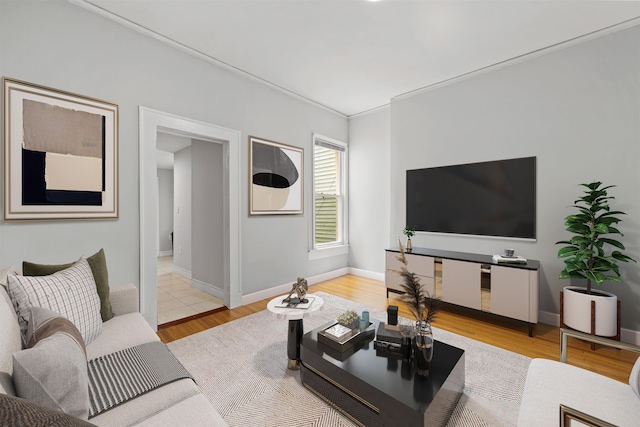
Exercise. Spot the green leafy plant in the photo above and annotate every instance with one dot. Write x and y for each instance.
(409, 231)
(585, 254)
(421, 305)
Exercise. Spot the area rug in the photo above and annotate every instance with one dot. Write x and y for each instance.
(241, 368)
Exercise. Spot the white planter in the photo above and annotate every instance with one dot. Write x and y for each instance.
(577, 311)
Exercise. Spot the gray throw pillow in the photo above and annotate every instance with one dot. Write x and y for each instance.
(70, 292)
(53, 373)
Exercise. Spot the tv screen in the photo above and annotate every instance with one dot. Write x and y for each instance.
(496, 198)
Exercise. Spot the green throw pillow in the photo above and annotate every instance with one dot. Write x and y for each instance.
(98, 264)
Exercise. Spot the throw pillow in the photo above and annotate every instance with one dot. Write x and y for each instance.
(98, 263)
(53, 372)
(634, 378)
(70, 292)
(17, 412)
(45, 323)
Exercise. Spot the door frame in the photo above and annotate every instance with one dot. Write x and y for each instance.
(150, 122)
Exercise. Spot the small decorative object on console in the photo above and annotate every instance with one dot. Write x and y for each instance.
(409, 232)
(514, 259)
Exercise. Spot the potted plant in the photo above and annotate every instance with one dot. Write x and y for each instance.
(349, 319)
(592, 254)
(409, 232)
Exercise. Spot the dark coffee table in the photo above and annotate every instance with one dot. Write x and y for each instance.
(375, 388)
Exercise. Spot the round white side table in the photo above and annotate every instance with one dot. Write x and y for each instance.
(296, 329)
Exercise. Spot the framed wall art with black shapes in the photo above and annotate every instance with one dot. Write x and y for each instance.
(60, 154)
(276, 178)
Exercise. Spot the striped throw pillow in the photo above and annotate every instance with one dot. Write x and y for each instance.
(70, 292)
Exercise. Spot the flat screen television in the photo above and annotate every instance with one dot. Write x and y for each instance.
(496, 198)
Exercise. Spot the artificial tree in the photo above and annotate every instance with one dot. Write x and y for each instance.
(585, 255)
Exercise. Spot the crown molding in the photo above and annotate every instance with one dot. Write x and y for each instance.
(84, 4)
(524, 57)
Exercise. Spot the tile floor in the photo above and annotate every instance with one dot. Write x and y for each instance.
(176, 298)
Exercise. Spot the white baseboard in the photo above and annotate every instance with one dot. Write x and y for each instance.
(626, 335)
(286, 288)
(366, 273)
(165, 253)
(182, 272)
(208, 288)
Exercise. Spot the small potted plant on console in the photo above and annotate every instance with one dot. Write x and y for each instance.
(585, 257)
(409, 232)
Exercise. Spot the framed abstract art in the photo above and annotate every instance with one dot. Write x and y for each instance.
(60, 154)
(276, 178)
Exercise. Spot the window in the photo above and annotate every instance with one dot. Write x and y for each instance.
(329, 191)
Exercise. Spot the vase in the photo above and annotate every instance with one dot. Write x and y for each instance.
(423, 347)
(408, 248)
(576, 310)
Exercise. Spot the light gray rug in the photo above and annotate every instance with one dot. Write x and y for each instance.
(241, 368)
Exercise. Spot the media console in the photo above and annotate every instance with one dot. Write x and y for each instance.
(472, 281)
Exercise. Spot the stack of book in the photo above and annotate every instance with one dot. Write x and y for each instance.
(338, 333)
(388, 340)
(516, 259)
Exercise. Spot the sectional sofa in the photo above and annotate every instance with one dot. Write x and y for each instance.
(176, 403)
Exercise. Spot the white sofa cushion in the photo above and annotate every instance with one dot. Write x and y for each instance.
(10, 340)
(550, 383)
(195, 411)
(147, 405)
(124, 331)
(70, 292)
(634, 378)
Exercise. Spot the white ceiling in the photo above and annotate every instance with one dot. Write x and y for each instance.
(354, 55)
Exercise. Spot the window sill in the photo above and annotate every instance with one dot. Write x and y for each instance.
(328, 252)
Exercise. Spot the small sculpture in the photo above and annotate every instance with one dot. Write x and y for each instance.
(300, 288)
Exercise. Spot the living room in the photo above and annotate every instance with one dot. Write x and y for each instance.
(574, 107)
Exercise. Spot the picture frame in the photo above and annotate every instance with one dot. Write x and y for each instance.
(60, 154)
(276, 178)
(570, 417)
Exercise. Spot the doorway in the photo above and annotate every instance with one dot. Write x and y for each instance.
(152, 122)
(190, 212)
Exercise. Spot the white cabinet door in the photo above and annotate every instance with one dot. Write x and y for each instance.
(392, 280)
(510, 293)
(420, 265)
(461, 283)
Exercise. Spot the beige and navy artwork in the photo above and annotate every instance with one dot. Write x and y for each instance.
(276, 178)
(60, 154)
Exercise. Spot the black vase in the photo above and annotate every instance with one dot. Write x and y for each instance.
(423, 347)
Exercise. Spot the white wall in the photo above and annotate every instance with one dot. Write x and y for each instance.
(165, 209)
(207, 215)
(182, 208)
(57, 44)
(369, 187)
(577, 110)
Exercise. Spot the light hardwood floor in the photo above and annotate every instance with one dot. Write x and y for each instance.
(501, 332)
